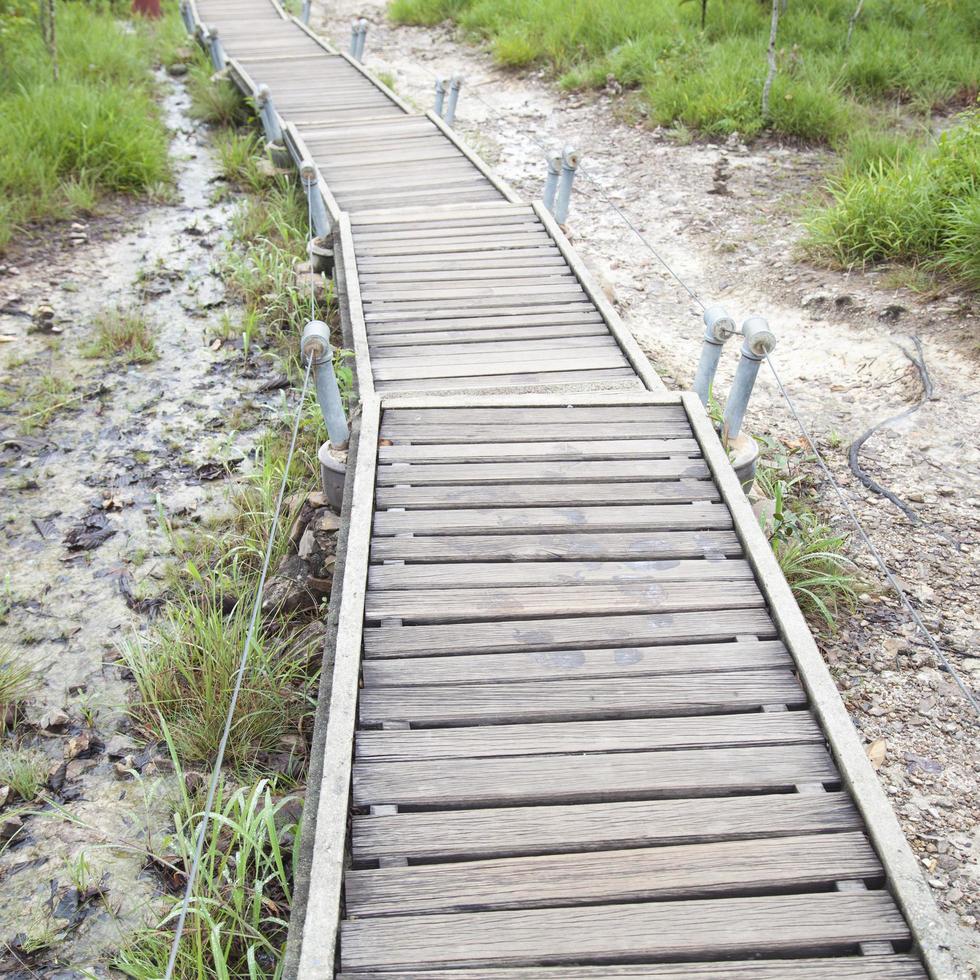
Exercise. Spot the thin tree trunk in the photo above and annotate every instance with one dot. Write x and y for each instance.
(852, 22)
(771, 74)
(704, 13)
(52, 39)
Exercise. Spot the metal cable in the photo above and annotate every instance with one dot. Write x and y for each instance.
(239, 677)
(869, 544)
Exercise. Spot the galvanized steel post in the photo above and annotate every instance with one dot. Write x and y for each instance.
(304, 14)
(569, 164)
(759, 341)
(215, 48)
(718, 327)
(315, 345)
(360, 37)
(551, 183)
(454, 86)
(440, 96)
(268, 115)
(354, 29)
(185, 16)
(310, 177)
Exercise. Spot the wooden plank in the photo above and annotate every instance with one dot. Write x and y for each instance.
(612, 415)
(475, 452)
(590, 778)
(550, 573)
(537, 257)
(529, 362)
(581, 698)
(542, 547)
(379, 216)
(570, 333)
(365, 239)
(570, 737)
(586, 471)
(596, 826)
(487, 242)
(699, 516)
(562, 664)
(638, 874)
(896, 967)
(547, 494)
(523, 321)
(399, 296)
(453, 431)
(502, 602)
(580, 632)
(619, 378)
(792, 924)
(475, 346)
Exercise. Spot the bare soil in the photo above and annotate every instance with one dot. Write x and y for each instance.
(131, 445)
(726, 217)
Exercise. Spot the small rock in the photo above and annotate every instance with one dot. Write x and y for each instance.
(892, 312)
(177, 70)
(78, 745)
(124, 768)
(54, 721)
(814, 301)
(118, 746)
(9, 826)
(4, 794)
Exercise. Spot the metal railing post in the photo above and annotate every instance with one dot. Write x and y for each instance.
(215, 48)
(718, 327)
(304, 14)
(569, 164)
(316, 346)
(759, 341)
(310, 177)
(359, 39)
(455, 84)
(551, 182)
(268, 115)
(440, 101)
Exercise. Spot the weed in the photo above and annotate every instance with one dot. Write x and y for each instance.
(123, 332)
(240, 159)
(42, 398)
(811, 555)
(387, 78)
(238, 918)
(96, 130)
(17, 684)
(921, 205)
(216, 102)
(25, 771)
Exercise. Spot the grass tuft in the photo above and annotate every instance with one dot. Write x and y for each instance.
(123, 332)
(25, 771)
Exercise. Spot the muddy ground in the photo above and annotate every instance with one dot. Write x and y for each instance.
(725, 216)
(128, 446)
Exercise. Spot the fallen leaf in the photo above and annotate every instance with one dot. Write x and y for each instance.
(876, 752)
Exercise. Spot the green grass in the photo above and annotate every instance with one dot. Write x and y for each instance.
(916, 203)
(17, 684)
(811, 554)
(218, 103)
(237, 922)
(125, 333)
(920, 53)
(95, 131)
(25, 771)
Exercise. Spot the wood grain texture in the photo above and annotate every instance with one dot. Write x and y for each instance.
(542, 547)
(590, 778)
(476, 452)
(581, 698)
(639, 874)
(620, 735)
(688, 658)
(501, 602)
(580, 632)
(898, 967)
(544, 573)
(733, 926)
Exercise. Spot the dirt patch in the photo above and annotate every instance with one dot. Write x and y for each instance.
(96, 453)
(726, 217)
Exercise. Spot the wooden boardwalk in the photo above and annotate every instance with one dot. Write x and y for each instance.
(578, 727)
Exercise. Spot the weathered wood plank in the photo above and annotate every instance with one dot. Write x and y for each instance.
(476, 346)
(579, 632)
(897, 967)
(543, 547)
(621, 378)
(590, 778)
(550, 573)
(476, 452)
(451, 311)
(639, 874)
(586, 471)
(735, 926)
(688, 658)
(547, 494)
(612, 415)
(655, 517)
(581, 698)
(526, 320)
(503, 602)
(596, 826)
(570, 333)
(570, 737)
